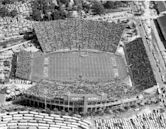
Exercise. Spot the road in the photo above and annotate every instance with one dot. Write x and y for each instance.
(149, 48)
(154, 65)
(158, 45)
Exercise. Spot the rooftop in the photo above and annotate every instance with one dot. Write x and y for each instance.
(161, 5)
(161, 21)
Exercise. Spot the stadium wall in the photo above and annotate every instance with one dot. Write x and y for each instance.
(83, 105)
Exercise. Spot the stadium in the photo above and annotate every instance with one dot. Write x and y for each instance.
(79, 68)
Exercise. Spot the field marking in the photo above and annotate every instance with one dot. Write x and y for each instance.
(67, 66)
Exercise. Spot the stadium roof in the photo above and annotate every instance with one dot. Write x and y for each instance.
(162, 24)
(78, 34)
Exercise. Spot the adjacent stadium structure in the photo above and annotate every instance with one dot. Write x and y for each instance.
(80, 69)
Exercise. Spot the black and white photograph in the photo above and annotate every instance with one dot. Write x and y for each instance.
(82, 64)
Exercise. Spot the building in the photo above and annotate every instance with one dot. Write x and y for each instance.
(161, 6)
(161, 28)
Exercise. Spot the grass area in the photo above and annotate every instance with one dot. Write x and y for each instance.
(69, 66)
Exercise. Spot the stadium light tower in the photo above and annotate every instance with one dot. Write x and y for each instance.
(68, 99)
(45, 93)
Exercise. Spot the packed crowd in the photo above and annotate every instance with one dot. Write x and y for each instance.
(123, 103)
(140, 66)
(79, 34)
(23, 64)
(145, 121)
(5, 68)
(114, 90)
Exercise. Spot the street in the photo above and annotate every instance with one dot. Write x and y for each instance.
(150, 51)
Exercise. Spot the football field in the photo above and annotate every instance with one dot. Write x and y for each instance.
(70, 66)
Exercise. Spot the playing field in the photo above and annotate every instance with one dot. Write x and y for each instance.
(69, 66)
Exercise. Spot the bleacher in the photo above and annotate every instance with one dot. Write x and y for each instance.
(137, 58)
(38, 120)
(23, 64)
(78, 34)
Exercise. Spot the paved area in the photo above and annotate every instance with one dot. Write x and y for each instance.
(149, 48)
(149, 53)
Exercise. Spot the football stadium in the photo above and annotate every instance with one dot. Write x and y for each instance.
(79, 68)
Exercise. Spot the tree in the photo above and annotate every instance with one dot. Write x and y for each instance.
(44, 10)
(78, 2)
(7, 2)
(13, 13)
(63, 14)
(6, 63)
(86, 7)
(36, 15)
(97, 8)
(78, 5)
(23, 1)
(56, 15)
(41, 5)
(118, 4)
(3, 12)
(109, 5)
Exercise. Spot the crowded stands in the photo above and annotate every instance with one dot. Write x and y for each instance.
(113, 90)
(23, 64)
(5, 67)
(78, 34)
(140, 66)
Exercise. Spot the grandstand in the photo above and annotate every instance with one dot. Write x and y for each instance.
(23, 63)
(142, 73)
(80, 68)
(78, 34)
